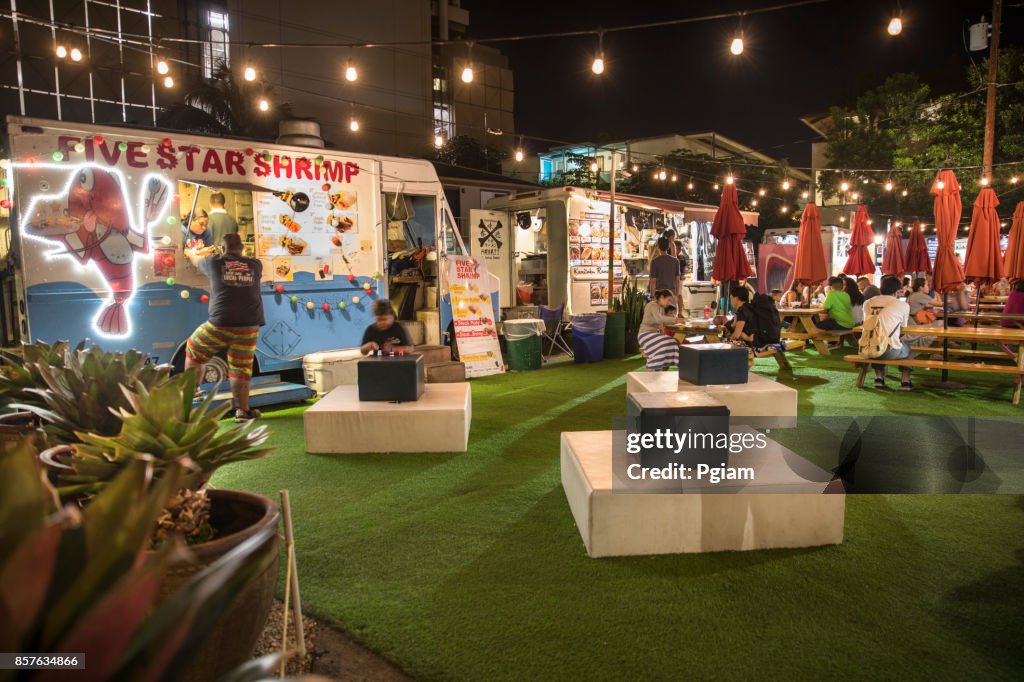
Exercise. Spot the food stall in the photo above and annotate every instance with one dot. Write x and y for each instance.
(554, 244)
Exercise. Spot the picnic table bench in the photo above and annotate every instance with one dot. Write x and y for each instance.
(806, 329)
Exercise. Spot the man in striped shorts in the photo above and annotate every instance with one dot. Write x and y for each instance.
(235, 318)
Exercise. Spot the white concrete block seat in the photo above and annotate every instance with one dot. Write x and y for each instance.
(438, 422)
(783, 506)
(759, 397)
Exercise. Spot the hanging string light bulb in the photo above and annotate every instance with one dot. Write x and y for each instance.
(904, 193)
(784, 209)
(729, 179)
(519, 155)
(689, 185)
(438, 140)
(353, 124)
(844, 186)
(753, 202)
(674, 177)
(249, 74)
(467, 71)
(662, 175)
(888, 185)
(61, 52)
(264, 105)
(1013, 180)
(895, 26)
(984, 181)
(761, 191)
(76, 54)
(635, 168)
(162, 67)
(598, 66)
(593, 166)
(736, 47)
(351, 75)
(940, 184)
(168, 82)
(805, 194)
(785, 184)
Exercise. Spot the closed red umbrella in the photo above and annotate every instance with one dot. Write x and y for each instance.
(730, 260)
(810, 265)
(984, 261)
(858, 260)
(949, 274)
(1013, 260)
(917, 259)
(893, 262)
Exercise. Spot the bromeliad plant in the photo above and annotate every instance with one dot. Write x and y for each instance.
(162, 423)
(85, 392)
(83, 580)
(19, 376)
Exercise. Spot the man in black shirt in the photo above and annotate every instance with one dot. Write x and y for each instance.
(385, 334)
(235, 318)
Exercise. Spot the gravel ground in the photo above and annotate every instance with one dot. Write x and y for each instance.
(328, 652)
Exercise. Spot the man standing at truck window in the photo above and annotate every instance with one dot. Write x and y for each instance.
(221, 223)
(235, 318)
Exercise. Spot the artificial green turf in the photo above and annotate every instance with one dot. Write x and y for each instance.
(469, 566)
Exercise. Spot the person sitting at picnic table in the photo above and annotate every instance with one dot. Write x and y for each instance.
(957, 301)
(856, 299)
(920, 299)
(756, 324)
(661, 351)
(797, 295)
(891, 315)
(1014, 306)
(838, 308)
(867, 288)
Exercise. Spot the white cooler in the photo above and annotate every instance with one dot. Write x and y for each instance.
(327, 369)
(696, 297)
(431, 320)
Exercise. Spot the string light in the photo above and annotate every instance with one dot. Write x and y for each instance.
(842, 219)
(904, 193)
(940, 184)
(593, 166)
(674, 177)
(854, 196)
(784, 209)
(984, 181)
(353, 124)
(888, 186)
(351, 75)
(897, 223)
(689, 185)
(805, 194)
(598, 66)
(76, 54)
(761, 191)
(662, 175)
(753, 202)
(715, 186)
(438, 140)
(785, 184)
(736, 47)
(1013, 180)
(519, 155)
(168, 82)
(864, 181)
(61, 51)
(895, 26)
(250, 73)
(162, 68)
(729, 179)
(844, 186)
(264, 105)
(467, 71)
(635, 168)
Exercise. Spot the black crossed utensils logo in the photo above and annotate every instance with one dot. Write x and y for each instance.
(489, 233)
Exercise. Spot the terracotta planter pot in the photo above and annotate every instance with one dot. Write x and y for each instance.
(237, 516)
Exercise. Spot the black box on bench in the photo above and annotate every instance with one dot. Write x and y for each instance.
(693, 416)
(713, 363)
(392, 379)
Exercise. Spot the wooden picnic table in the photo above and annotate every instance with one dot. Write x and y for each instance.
(983, 316)
(805, 328)
(709, 331)
(979, 335)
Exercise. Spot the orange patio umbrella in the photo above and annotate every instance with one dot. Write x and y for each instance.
(893, 262)
(730, 260)
(810, 265)
(1013, 260)
(917, 259)
(984, 261)
(858, 260)
(949, 274)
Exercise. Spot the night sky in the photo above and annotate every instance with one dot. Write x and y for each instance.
(683, 79)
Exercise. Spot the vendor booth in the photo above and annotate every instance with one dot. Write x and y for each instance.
(551, 247)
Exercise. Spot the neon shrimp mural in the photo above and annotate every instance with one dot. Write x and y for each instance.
(91, 222)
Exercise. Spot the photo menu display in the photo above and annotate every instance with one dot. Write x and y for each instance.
(588, 247)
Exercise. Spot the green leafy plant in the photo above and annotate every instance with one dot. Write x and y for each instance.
(19, 375)
(86, 391)
(82, 581)
(631, 302)
(162, 422)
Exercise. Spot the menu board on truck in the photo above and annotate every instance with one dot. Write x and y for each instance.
(315, 227)
(476, 334)
(588, 246)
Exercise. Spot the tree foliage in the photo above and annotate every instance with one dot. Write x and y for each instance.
(468, 152)
(227, 104)
(902, 125)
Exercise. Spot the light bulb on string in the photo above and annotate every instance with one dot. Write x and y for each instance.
(784, 209)
(438, 140)
(467, 71)
(984, 181)
(736, 46)
(662, 175)
(904, 193)
(598, 66)
(895, 26)
(689, 185)
(897, 223)
(854, 196)
(844, 186)
(249, 74)
(593, 166)
(753, 202)
(864, 181)
(635, 168)
(76, 54)
(168, 82)
(729, 179)
(940, 184)
(61, 52)
(353, 124)
(674, 177)
(162, 67)
(785, 184)
(519, 155)
(1013, 180)
(888, 186)
(264, 105)
(761, 191)
(351, 75)
(715, 186)
(805, 194)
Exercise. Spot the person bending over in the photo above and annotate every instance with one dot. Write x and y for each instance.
(661, 351)
(385, 333)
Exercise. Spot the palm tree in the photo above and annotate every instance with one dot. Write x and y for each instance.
(227, 105)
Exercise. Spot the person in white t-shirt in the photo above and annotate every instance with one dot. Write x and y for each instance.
(893, 315)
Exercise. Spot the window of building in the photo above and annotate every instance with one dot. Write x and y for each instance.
(545, 169)
(443, 119)
(216, 48)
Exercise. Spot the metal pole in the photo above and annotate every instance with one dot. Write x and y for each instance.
(611, 232)
(993, 76)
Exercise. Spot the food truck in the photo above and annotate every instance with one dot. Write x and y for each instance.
(550, 246)
(777, 254)
(97, 220)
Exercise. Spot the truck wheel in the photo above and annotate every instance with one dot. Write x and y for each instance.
(215, 371)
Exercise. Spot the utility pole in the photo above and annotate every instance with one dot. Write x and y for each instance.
(990, 105)
(611, 232)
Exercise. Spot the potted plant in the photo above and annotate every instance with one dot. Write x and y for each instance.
(162, 423)
(631, 303)
(84, 581)
(17, 377)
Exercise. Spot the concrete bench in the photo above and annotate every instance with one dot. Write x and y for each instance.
(759, 397)
(784, 506)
